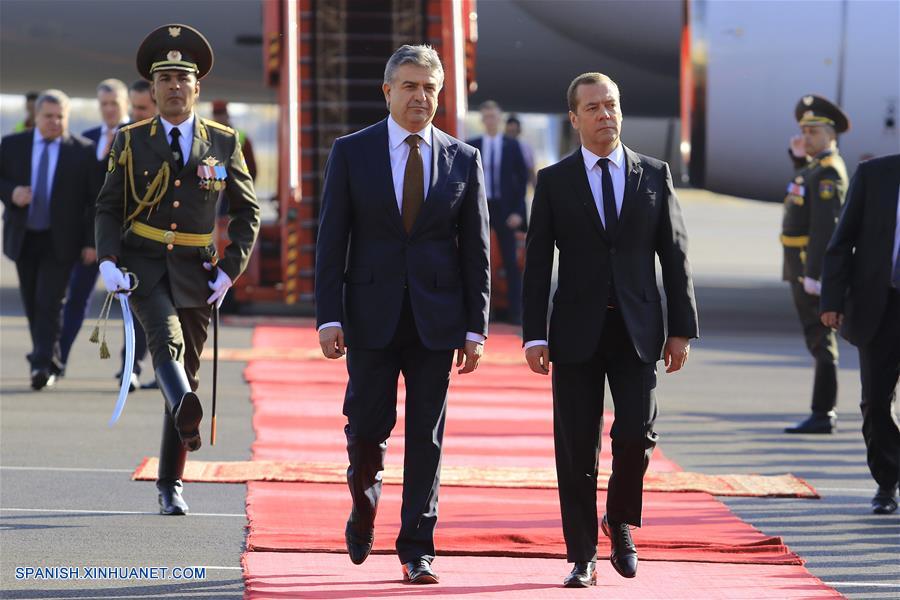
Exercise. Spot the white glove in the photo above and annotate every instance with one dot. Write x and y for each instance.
(812, 287)
(114, 279)
(219, 286)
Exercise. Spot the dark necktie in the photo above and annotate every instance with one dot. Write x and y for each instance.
(609, 198)
(413, 184)
(39, 209)
(176, 149)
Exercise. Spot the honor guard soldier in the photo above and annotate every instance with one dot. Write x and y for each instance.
(811, 209)
(155, 219)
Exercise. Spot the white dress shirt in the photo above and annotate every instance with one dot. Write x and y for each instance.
(37, 147)
(492, 150)
(595, 179)
(187, 136)
(399, 152)
(102, 148)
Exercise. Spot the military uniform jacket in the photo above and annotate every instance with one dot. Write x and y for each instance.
(811, 209)
(142, 186)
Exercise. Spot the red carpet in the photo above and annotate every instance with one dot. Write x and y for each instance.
(282, 576)
(498, 417)
(504, 522)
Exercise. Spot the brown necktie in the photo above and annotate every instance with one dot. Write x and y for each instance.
(413, 184)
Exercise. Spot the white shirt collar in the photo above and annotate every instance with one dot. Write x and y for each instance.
(38, 138)
(495, 137)
(186, 128)
(104, 127)
(617, 157)
(397, 134)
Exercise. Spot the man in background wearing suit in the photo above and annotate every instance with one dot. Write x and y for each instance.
(112, 98)
(402, 279)
(48, 181)
(505, 180)
(610, 212)
(861, 296)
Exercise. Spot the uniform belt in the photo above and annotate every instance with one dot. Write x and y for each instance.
(176, 238)
(795, 241)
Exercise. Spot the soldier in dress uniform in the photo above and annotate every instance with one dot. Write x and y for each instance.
(811, 209)
(155, 219)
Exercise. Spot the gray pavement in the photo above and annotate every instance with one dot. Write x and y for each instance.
(66, 498)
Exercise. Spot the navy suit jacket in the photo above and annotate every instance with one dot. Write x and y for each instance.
(856, 273)
(366, 261)
(513, 177)
(564, 215)
(75, 185)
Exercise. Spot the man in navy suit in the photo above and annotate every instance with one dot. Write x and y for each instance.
(48, 185)
(402, 280)
(505, 179)
(112, 96)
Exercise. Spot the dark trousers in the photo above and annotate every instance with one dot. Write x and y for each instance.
(821, 342)
(78, 303)
(370, 405)
(578, 390)
(172, 334)
(42, 283)
(879, 370)
(140, 349)
(506, 238)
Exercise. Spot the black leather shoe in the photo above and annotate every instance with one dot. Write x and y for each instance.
(359, 540)
(41, 378)
(419, 572)
(884, 502)
(816, 423)
(623, 554)
(150, 385)
(170, 500)
(584, 574)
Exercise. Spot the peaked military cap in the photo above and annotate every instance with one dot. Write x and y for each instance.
(177, 47)
(816, 110)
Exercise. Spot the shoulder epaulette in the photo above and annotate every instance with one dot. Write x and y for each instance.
(138, 124)
(219, 126)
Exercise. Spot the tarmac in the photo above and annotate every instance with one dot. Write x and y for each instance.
(67, 500)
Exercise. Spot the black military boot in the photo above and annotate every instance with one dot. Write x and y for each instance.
(172, 456)
(182, 403)
(817, 422)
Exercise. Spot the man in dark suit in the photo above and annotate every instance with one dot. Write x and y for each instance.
(402, 279)
(610, 212)
(112, 98)
(47, 183)
(505, 180)
(861, 296)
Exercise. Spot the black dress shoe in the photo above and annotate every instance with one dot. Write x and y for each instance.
(884, 502)
(359, 540)
(170, 500)
(623, 554)
(150, 385)
(41, 378)
(817, 422)
(584, 574)
(419, 572)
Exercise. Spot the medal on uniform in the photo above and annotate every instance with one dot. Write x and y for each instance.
(212, 174)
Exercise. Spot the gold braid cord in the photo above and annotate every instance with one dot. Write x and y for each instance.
(155, 192)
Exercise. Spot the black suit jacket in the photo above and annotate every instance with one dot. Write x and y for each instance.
(75, 185)
(856, 275)
(365, 260)
(513, 176)
(650, 224)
